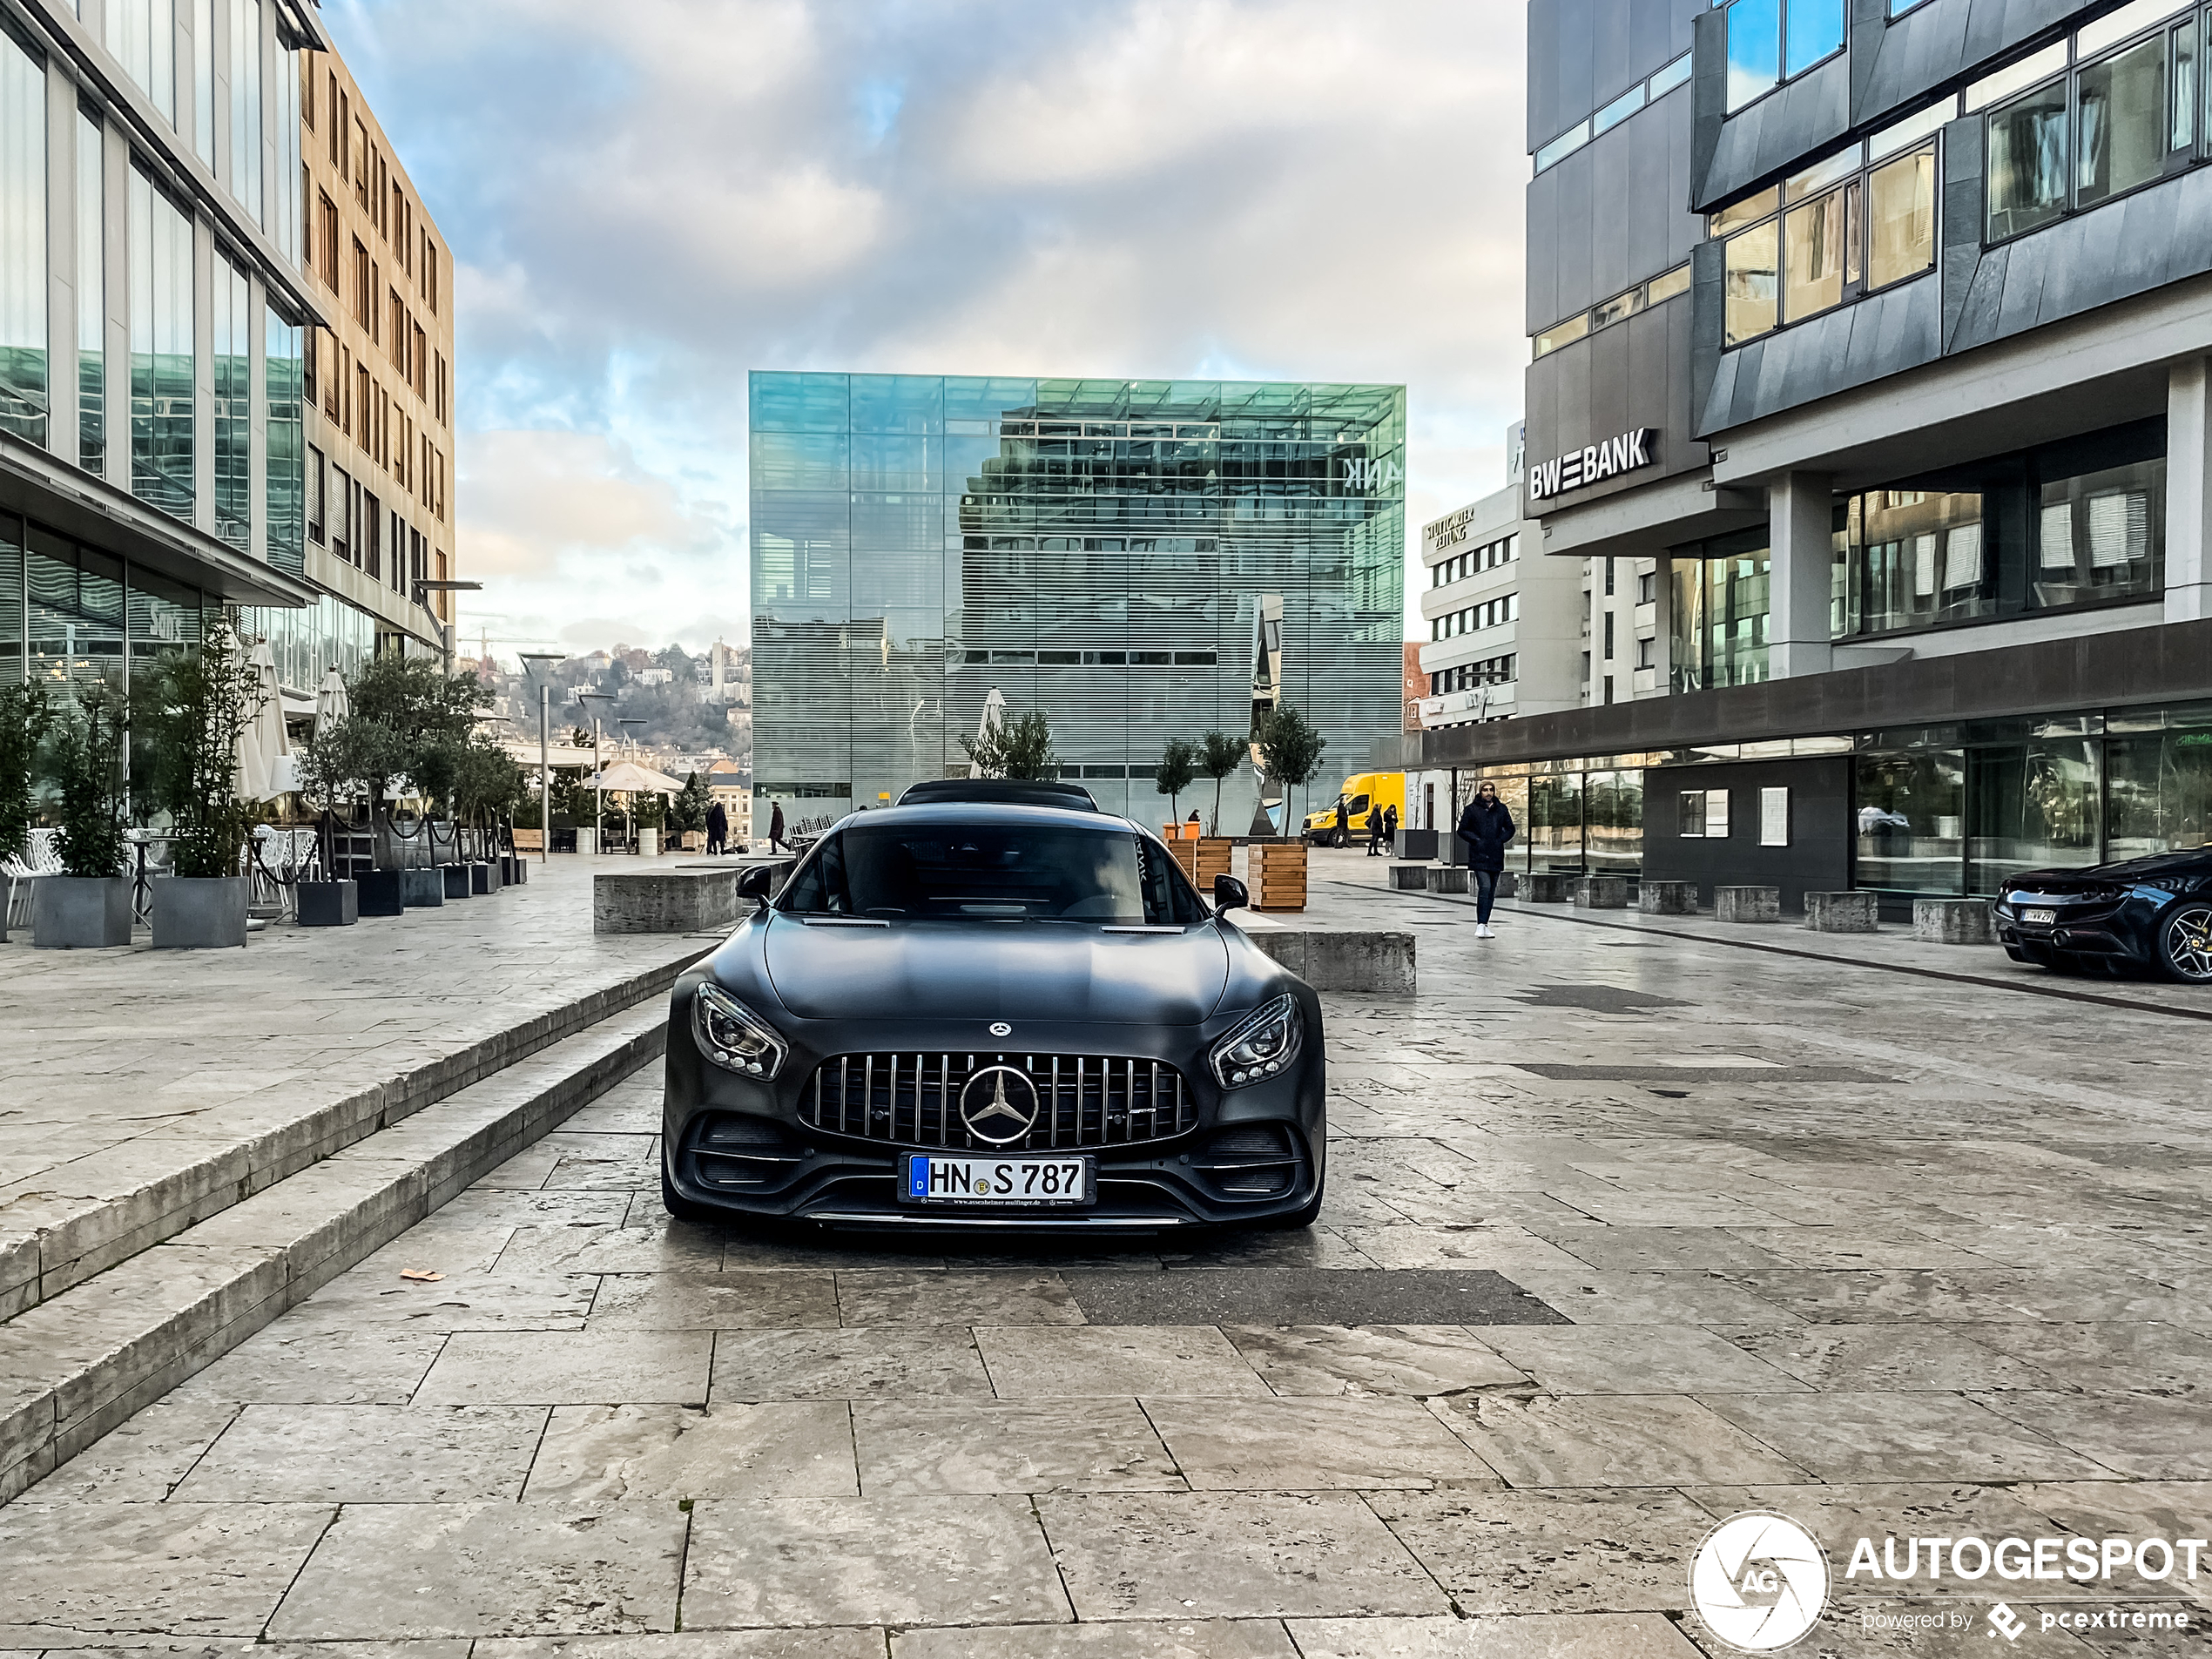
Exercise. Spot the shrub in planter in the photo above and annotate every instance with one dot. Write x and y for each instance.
(193, 709)
(343, 762)
(89, 904)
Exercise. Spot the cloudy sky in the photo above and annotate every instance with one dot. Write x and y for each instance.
(646, 199)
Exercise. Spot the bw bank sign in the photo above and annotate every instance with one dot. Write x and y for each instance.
(1371, 478)
(1589, 466)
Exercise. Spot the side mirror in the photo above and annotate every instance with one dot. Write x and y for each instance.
(1230, 893)
(757, 884)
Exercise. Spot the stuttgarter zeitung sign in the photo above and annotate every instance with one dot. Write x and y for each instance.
(1594, 463)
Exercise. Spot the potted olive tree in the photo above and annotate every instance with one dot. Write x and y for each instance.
(426, 712)
(486, 787)
(344, 760)
(1290, 753)
(190, 711)
(651, 814)
(687, 813)
(89, 904)
(24, 716)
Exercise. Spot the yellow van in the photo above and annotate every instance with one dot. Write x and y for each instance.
(1363, 793)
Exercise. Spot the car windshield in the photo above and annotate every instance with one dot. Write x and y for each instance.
(992, 872)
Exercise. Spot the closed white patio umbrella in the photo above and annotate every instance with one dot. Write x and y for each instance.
(264, 764)
(994, 715)
(330, 697)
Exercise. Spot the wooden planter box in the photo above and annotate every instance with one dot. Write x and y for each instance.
(1278, 875)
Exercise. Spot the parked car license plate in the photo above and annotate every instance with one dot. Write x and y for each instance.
(1061, 1181)
(2040, 918)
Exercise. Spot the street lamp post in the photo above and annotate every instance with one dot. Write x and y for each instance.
(545, 747)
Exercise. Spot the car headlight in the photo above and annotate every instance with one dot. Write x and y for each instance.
(1260, 1047)
(733, 1036)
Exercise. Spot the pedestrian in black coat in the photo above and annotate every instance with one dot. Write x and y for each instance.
(1374, 831)
(1484, 827)
(718, 829)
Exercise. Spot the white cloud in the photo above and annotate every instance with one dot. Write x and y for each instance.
(645, 201)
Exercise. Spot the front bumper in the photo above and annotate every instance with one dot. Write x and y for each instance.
(743, 1147)
(2094, 929)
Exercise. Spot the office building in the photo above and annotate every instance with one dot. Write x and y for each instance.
(152, 312)
(1140, 560)
(1881, 330)
(377, 389)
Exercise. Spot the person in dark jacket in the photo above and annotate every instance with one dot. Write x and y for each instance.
(718, 829)
(1374, 831)
(1344, 823)
(1485, 828)
(776, 827)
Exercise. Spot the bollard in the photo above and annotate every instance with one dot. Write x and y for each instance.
(1843, 913)
(1953, 922)
(1746, 904)
(1602, 893)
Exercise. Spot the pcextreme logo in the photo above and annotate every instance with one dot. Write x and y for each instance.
(1759, 1581)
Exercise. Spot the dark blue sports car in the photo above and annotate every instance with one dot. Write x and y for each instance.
(2153, 913)
(992, 1016)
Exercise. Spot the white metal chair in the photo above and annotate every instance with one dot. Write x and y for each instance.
(22, 873)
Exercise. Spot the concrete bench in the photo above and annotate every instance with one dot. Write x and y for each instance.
(1667, 898)
(1448, 878)
(1746, 904)
(1953, 922)
(1843, 913)
(1343, 962)
(1547, 889)
(1602, 893)
(1409, 878)
(685, 898)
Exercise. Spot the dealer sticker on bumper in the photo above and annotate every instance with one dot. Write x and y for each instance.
(996, 1181)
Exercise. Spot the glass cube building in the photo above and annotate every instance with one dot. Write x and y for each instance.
(1103, 550)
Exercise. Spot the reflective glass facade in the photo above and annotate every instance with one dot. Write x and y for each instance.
(161, 349)
(1098, 549)
(23, 243)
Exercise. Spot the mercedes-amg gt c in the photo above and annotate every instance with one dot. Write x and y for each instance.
(983, 1017)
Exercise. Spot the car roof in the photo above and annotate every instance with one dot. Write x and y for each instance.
(1013, 791)
(984, 812)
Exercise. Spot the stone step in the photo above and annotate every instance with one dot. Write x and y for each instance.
(80, 1363)
(61, 1226)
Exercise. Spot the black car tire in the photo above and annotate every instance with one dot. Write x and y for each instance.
(2185, 942)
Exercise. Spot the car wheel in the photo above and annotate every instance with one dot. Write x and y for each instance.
(2185, 943)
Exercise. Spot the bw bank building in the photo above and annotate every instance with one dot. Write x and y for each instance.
(1875, 334)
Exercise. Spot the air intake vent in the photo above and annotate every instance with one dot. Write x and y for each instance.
(1256, 1161)
(1081, 1100)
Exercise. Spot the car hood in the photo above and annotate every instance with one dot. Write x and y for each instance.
(920, 970)
(2163, 868)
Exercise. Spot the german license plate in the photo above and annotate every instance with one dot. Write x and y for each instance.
(1060, 1181)
(2040, 918)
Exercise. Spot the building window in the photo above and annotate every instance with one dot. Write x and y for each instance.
(287, 482)
(1620, 308)
(161, 350)
(1770, 41)
(141, 35)
(1565, 334)
(245, 105)
(1647, 588)
(318, 482)
(203, 81)
(1608, 639)
(2121, 121)
(91, 295)
(1717, 614)
(1647, 651)
(1608, 582)
(1921, 558)
(23, 402)
(233, 407)
(1845, 229)
(2102, 536)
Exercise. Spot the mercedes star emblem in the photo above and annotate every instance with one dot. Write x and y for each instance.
(999, 1105)
(1000, 1028)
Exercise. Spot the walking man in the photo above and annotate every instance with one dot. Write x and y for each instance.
(1485, 828)
(718, 829)
(1344, 823)
(776, 827)
(1374, 831)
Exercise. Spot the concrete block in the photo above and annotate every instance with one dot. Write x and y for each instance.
(681, 898)
(1843, 913)
(456, 880)
(1667, 898)
(1547, 889)
(1602, 893)
(484, 878)
(422, 889)
(329, 904)
(1508, 884)
(1953, 922)
(1414, 844)
(1361, 960)
(1409, 878)
(1448, 878)
(1746, 904)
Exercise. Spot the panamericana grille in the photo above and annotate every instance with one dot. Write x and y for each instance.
(913, 1099)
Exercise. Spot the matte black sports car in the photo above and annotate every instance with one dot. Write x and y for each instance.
(992, 1017)
(2154, 913)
